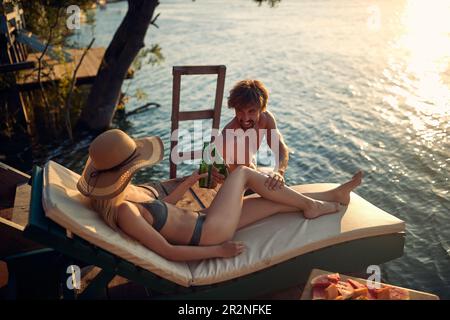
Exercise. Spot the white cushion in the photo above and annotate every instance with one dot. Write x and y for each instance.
(269, 242)
(285, 236)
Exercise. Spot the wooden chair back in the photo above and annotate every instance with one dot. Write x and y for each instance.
(178, 115)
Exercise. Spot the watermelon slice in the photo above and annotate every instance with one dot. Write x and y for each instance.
(383, 293)
(319, 293)
(355, 284)
(360, 292)
(331, 292)
(345, 289)
(330, 286)
(325, 280)
(396, 293)
(373, 293)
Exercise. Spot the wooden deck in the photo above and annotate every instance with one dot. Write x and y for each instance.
(28, 79)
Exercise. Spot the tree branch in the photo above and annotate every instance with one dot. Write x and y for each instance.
(49, 40)
(154, 20)
(68, 103)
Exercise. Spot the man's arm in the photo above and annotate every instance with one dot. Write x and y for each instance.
(283, 157)
(282, 152)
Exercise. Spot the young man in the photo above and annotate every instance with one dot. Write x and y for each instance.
(242, 136)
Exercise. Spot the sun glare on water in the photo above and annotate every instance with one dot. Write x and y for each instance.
(422, 49)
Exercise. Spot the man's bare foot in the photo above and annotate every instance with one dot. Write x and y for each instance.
(342, 193)
(320, 208)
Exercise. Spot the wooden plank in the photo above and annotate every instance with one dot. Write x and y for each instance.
(21, 51)
(196, 70)
(89, 273)
(13, 53)
(17, 66)
(11, 16)
(87, 72)
(413, 294)
(91, 62)
(96, 57)
(219, 96)
(176, 87)
(88, 66)
(11, 29)
(7, 55)
(22, 205)
(10, 178)
(195, 115)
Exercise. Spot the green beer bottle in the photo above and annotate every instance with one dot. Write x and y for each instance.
(219, 163)
(205, 167)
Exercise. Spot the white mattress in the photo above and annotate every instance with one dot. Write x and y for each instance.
(270, 241)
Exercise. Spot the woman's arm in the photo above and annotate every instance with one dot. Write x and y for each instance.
(184, 186)
(133, 224)
(190, 253)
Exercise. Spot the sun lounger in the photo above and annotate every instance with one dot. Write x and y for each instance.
(281, 250)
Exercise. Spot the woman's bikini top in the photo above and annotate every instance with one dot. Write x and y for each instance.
(157, 208)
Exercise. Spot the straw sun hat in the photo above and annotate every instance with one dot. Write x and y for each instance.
(113, 159)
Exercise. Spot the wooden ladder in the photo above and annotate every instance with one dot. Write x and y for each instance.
(178, 115)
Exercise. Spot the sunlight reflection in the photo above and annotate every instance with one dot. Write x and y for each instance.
(418, 70)
(427, 38)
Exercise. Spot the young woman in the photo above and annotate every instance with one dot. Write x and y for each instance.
(179, 234)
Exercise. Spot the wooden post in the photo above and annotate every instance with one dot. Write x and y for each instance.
(175, 117)
(178, 116)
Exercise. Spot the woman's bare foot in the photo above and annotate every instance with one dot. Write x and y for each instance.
(320, 208)
(342, 193)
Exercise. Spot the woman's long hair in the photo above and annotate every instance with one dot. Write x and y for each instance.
(107, 209)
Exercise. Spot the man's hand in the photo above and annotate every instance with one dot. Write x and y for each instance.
(274, 181)
(216, 177)
(195, 176)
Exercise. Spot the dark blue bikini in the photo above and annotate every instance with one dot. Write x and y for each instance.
(158, 210)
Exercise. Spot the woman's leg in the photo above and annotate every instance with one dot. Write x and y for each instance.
(340, 194)
(257, 208)
(225, 211)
